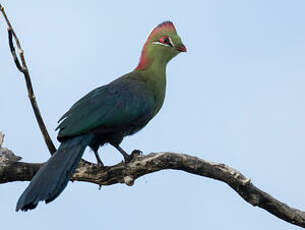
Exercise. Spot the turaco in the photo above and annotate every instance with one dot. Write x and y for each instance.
(106, 115)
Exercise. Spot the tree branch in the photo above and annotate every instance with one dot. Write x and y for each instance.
(153, 162)
(24, 69)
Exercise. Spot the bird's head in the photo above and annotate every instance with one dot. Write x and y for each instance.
(162, 44)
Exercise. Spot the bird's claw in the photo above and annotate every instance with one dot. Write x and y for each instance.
(136, 153)
(129, 157)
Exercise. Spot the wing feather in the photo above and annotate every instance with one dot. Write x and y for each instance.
(118, 104)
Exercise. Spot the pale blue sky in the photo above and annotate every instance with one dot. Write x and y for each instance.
(237, 96)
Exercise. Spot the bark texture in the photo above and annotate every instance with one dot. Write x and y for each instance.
(12, 170)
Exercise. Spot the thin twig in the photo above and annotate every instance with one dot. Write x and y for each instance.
(24, 69)
(1, 139)
(12, 48)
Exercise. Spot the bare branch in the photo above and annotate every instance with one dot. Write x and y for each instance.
(153, 162)
(24, 69)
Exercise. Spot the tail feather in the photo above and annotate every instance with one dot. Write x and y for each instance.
(54, 175)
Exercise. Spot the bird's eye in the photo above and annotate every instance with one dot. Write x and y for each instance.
(166, 40)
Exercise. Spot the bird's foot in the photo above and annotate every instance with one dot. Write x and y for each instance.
(100, 165)
(136, 153)
(129, 157)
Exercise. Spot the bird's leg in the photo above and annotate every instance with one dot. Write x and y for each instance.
(98, 159)
(126, 156)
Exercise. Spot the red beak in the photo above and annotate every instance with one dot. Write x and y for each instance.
(181, 48)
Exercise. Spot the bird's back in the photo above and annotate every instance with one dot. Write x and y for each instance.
(121, 107)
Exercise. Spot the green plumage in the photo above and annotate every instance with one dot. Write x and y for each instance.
(106, 115)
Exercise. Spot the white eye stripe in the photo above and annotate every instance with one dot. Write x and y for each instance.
(159, 43)
(171, 44)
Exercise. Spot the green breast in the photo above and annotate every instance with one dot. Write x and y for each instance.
(155, 81)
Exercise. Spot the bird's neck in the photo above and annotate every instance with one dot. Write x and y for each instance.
(152, 69)
(152, 59)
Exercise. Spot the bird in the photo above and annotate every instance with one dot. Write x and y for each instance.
(106, 115)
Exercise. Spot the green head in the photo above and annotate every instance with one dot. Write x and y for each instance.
(162, 44)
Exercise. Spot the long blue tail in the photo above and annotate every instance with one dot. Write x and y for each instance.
(54, 175)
